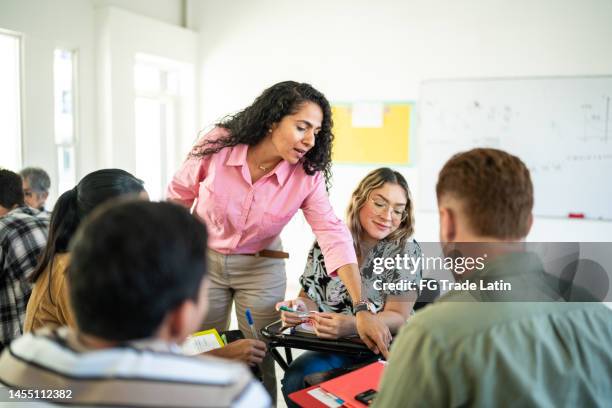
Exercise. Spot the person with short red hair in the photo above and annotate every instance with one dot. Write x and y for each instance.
(526, 346)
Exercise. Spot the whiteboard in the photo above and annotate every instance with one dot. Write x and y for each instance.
(560, 127)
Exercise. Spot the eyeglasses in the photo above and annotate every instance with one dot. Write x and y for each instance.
(381, 208)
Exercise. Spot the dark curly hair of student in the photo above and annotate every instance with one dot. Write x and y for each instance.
(250, 125)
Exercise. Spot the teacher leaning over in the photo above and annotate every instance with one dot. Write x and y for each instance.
(248, 177)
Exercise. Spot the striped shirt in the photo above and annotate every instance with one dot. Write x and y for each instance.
(148, 373)
(23, 236)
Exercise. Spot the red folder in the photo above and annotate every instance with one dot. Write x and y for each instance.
(303, 399)
(348, 385)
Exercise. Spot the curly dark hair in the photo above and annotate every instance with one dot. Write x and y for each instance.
(250, 125)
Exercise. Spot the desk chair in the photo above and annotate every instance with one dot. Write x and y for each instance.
(305, 341)
(276, 339)
(427, 295)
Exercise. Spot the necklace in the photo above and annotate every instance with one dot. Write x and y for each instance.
(263, 168)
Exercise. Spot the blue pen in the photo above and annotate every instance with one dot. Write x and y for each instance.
(250, 322)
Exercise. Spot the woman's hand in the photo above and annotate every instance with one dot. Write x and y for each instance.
(291, 319)
(333, 325)
(374, 332)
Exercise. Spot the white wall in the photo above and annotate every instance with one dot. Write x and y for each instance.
(47, 25)
(78, 25)
(168, 11)
(122, 34)
(364, 50)
(105, 39)
(350, 49)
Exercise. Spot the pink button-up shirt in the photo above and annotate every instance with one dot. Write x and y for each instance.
(243, 217)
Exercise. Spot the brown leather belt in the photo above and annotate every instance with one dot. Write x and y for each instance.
(269, 253)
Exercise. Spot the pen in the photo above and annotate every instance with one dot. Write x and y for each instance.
(250, 322)
(301, 315)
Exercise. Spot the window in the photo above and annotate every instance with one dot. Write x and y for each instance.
(160, 86)
(10, 100)
(64, 63)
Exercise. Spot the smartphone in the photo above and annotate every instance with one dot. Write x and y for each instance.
(366, 397)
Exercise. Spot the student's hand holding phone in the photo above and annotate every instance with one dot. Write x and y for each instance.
(333, 325)
(291, 319)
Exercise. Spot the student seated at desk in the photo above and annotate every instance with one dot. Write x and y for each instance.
(138, 287)
(380, 218)
(49, 304)
(523, 346)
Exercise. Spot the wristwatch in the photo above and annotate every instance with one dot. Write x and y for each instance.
(364, 306)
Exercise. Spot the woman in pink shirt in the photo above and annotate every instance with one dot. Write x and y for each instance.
(246, 178)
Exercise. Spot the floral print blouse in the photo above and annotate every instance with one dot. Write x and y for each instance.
(329, 292)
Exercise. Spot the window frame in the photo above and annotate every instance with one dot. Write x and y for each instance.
(21, 124)
(73, 143)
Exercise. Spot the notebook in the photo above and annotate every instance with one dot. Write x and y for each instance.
(201, 342)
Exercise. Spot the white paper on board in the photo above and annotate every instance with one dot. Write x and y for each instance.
(367, 115)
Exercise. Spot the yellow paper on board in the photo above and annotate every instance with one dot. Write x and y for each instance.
(389, 143)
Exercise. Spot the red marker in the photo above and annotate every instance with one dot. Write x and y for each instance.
(576, 215)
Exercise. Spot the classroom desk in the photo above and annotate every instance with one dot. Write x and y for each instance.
(305, 341)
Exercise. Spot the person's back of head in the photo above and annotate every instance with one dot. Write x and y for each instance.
(133, 264)
(74, 204)
(137, 285)
(495, 325)
(484, 195)
(11, 192)
(36, 184)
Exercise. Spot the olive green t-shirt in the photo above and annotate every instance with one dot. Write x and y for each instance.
(462, 351)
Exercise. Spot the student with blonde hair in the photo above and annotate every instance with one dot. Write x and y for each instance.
(380, 218)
